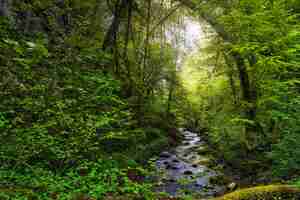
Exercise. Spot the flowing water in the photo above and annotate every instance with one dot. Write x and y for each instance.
(186, 168)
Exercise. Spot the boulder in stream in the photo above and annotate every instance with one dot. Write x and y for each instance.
(175, 167)
(188, 172)
(194, 165)
(165, 155)
(232, 186)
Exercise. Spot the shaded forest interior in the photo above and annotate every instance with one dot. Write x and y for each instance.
(92, 91)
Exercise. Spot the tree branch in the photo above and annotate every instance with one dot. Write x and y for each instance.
(162, 20)
(219, 28)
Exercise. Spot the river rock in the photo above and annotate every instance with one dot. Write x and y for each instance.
(181, 129)
(188, 172)
(175, 167)
(232, 186)
(198, 185)
(201, 184)
(166, 163)
(168, 166)
(171, 180)
(192, 157)
(203, 161)
(186, 155)
(165, 155)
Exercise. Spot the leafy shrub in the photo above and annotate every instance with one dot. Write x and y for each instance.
(56, 110)
(90, 179)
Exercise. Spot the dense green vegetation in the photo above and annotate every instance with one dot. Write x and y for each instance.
(65, 108)
(248, 94)
(91, 90)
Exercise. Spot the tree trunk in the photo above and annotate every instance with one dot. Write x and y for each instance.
(143, 67)
(110, 38)
(5, 8)
(249, 97)
(129, 85)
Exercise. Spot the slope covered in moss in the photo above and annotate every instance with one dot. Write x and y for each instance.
(270, 192)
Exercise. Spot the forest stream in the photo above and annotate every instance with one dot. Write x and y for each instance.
(186, 168)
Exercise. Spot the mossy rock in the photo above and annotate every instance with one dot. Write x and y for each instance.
(271, 192)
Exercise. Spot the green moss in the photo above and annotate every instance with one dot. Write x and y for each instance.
(271, 192)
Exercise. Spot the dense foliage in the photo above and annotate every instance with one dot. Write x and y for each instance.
(255, 59)
(90, 90)
(65, 109)
(88, 180)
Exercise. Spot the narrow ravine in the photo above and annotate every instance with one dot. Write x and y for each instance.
(187, 168)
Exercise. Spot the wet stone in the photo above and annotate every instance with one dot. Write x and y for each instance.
(186, 155)
(168, 166)
(175, 167)
(188, 172)
(198, 185)
(232, 186)
(165, 155)
(171, 180)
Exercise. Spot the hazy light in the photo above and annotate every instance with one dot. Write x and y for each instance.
(193, 34)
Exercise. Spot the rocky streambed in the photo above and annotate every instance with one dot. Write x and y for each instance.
(188, 169)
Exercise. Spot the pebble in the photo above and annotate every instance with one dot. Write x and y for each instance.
(231, 186)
